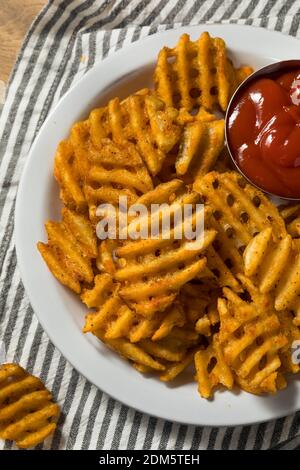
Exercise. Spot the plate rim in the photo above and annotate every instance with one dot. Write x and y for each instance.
(18, 225)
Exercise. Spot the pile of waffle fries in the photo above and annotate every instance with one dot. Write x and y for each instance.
(231, 307)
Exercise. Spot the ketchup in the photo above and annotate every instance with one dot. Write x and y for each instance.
(264, 133)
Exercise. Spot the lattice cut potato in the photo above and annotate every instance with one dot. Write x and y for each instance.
(227, 304)
(68, 177)
(239, 212)
(164, 344)
(292, 332)
(116, 320)
(28, 414)
(141, 119)
(116, 170)
(252, 339)
(197, 74)
(72, 244)
(151, 271)
(212, 370)
(274, 267)
(291, 215)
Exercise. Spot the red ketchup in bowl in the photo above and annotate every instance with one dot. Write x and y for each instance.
(263, 132)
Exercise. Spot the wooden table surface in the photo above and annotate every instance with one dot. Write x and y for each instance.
(15, 19)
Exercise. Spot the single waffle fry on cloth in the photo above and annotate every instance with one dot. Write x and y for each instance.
(274, 266)
(27, 413)
(239, 211)
(197, 73)
(251, 339)
(151, 271)
(71, 246)
(142, 119)
(201, 144)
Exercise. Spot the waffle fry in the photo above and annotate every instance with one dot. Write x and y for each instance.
(239, 212)
(27, 413)
(251, 339)
(115, 170)
(212, 370)
(199, 303)
(291, 215)
(201, 149)
(224, 162)
(164, 134)
(68, 178)
(168, 356)
(99, 293)
(274, 267)
(219, 269)
(116, 320)
(71, 247)
(201, 144)
(80, 141)
(154, 299)
(152, 271)
(197, 73)
(141, 119)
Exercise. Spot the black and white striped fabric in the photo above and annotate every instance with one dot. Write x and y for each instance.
(65, 41)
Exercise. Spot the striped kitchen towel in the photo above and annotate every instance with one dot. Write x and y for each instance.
(63, 43)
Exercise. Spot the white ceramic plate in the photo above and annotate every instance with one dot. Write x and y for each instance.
(59, 311)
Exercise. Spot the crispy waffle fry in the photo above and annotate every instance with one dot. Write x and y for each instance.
(116, 170)
(199, 302)
(68, 177)
(185, 117)
(197, 73)
(201, 144)
(291, 215)
(251, 339)
(80, 141)
(27, 412)
(239, 212)
(152, 271)
(71, 247)
(156, 300)
(266, 259)
(212, 369)
(274, 267)
(99, 293)
(116, 320)
(141, 119)
(168, 356)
